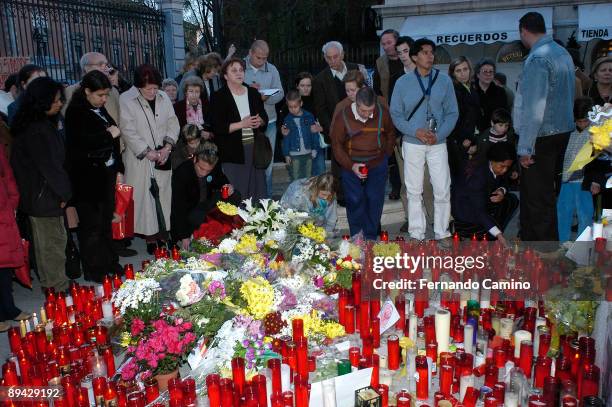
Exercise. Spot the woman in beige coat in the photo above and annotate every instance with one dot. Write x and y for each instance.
(150, 130)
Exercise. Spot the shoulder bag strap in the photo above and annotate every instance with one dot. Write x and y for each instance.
(148, 123)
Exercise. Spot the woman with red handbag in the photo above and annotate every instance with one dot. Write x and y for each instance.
(11, 249)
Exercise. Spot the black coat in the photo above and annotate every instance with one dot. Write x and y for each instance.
(89, 146)
(494, 98)
(469, 113)
(180, 110)
(471, 191)
(37, 158)
(326, 96)
(223, 112)
(188, 212)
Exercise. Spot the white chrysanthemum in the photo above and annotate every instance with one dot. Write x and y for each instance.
(227, 245)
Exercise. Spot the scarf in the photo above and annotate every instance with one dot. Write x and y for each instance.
(194, 115)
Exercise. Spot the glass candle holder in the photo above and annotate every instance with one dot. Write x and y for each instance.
(526, 357)
(238, 374)
(422, 370)
(393, 352)
(213, 387)
(349, 319)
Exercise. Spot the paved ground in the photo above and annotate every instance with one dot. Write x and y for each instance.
(31, 300)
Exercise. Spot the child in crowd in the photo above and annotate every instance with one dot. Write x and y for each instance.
(300, 139)
(577, 187)
(500, 131)
(186, 145)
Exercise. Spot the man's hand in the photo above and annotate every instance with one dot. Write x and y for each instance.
(501, 239)
(426, 136)
(526, 161)
(497, 196)
(288, 160)
(356, 170)
(153, 155)
(595, 188)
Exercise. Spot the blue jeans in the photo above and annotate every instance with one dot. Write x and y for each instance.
(271, 134)
(318, 163)
(571, 198)
(364, 203)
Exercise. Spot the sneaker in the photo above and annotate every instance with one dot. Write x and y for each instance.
(22, 316)
(4, 326)
(404, 228)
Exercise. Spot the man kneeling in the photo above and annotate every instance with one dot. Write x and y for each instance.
(196, 189)
(480, 202)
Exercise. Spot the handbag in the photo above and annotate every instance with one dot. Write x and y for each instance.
(262, 151)
(22, 273)
(168, 164)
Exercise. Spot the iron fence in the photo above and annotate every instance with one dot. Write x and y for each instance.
(56, 33)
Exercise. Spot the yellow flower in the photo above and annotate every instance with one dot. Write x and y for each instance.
(125, 339)
(259, 295)
(313, 232)
(385, 249)
(601, 135)
(333, 330)
(272, 244)
(227, 208)
(247, 244)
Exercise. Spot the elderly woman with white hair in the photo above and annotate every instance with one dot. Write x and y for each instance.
(170, 86)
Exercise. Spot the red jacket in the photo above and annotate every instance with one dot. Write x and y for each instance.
(11, 249)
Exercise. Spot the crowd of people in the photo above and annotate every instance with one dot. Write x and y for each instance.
(452, 145)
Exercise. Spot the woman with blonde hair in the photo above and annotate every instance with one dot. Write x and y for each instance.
(317, 196)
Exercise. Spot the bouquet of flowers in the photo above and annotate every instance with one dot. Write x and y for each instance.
(160, 350)
(138, 299)
(219, 222)
(269, 220)
(601, 136)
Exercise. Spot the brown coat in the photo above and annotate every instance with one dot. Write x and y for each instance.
(349, 150)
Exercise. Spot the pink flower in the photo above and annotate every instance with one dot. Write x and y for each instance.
(137, 326)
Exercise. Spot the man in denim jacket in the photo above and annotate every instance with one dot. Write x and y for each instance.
(543, 120)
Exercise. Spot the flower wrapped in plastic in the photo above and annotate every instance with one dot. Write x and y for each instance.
(219, 222)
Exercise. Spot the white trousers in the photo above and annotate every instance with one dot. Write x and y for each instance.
(436, 157)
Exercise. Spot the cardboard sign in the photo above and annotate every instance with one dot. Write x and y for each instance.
(9, 66)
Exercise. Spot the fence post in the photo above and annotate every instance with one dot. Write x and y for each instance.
(174, 36)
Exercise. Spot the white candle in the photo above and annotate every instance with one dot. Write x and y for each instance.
(87, 383)
(16, 362)
(34, 320)
(107, 310)
(485, 298)
(385, 377)
(597, 230)
(383, 361)
(465, 382)
(99, 291)
(510, 399)
(505, 327)
(412, 327)
(442, 323)
(329, 392)
(27, 325)
(520, 336)
(468, 338)
(285, 377)
(411, 363)
(69, 300)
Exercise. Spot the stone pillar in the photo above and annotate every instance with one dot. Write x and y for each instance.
(174, 36)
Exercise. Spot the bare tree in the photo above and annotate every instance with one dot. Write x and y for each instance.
(201, 13)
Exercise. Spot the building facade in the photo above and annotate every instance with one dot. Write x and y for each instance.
(489, 28)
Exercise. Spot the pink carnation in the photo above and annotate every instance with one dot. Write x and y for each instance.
(137, 326)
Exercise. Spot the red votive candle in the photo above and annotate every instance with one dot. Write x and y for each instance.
(403, 401)
(526, 357)
(544, 344)
(275, 368)
(393, 352)
(431, 351)
(214, 390)
(364, 319)
(262, 394)
(383, 390)
(14, 339)
(375, 331)
(99, 387)
(297, 326)
(400, 305)
(356, 285)
(422, 386)
(349, 319)
(491, 375)
(367, 346)
(151, 390)
(107, 286)
(101, 335)
(302, 358)
(446, 379)
(227, 392)
(238, 374)
(354, 356)
(374, 381)
(541, 370)
(189, 392)
(9, 374)
(287, 399)
(175, 389)
(128, 270)
(343, 301)
(135, 399)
